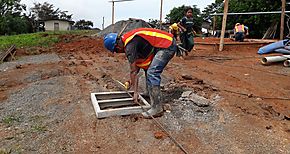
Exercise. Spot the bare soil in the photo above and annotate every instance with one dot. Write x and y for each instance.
(46, 107)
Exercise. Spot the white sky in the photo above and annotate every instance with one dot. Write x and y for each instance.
(95, 10)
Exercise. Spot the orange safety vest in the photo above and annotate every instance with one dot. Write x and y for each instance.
(156, 38)
(240, 28)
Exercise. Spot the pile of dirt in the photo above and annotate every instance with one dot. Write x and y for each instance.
(117, 27)
(84, 44)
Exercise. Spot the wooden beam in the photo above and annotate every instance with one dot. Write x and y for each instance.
(226, 7)
(214, 24)
(282, 19)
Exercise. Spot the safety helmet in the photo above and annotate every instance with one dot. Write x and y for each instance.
(174, 26)
(110, 41)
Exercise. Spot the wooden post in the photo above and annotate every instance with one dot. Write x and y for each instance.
(161, 6)
(282, 19)
(226, 6)
(113, 11)
(214, 24)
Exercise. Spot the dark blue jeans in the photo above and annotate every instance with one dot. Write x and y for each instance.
(160, 60)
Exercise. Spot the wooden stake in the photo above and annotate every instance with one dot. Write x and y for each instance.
(226, 6)
(282, 19)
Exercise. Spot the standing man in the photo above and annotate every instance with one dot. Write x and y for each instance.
(240, 31)
(148, 49)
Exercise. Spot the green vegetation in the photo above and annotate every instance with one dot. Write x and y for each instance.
(10, 119)
(39, 128)
(43, 39)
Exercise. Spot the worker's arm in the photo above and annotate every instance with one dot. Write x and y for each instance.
(181, 27)
(134, 79)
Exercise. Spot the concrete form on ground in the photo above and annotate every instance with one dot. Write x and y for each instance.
(108, 104)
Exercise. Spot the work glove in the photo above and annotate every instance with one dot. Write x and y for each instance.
(127, 85)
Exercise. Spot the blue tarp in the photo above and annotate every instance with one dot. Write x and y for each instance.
(274, 46)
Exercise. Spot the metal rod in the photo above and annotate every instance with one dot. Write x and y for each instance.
(161, 6)
(249, 13)
(155, 120)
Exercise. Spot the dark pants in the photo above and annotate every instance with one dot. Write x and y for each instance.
(239, 36)
(187, 41)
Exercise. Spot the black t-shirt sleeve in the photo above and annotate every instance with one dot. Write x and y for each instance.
(131, 51)
(138, 48)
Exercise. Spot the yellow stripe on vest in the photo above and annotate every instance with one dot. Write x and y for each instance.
(149, 33)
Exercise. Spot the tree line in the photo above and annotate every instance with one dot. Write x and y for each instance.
(258, 24)
(14, 18)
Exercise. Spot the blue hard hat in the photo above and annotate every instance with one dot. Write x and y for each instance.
(110, 41)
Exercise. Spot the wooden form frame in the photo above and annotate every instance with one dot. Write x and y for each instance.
(108, 104)
(10, 52)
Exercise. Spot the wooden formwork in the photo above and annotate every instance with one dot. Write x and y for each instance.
(108, 104)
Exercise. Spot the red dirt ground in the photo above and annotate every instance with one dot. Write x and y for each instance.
(257, 95)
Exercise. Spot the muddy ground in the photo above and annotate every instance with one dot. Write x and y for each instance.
(46, 107)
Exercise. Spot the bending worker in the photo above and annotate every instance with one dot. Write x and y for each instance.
(148, 49)
(240, 31)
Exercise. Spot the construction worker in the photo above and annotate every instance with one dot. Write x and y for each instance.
(186, 26)
(148, 49)
(174, 30)
(240, 31)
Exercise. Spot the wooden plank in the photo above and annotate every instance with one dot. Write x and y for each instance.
(11, 51)
(112, 95)
(117, 106)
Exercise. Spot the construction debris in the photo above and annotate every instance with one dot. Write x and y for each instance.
(10, 52)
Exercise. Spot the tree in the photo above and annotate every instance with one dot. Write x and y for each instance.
(11, 19)
(177, 13)
(258, 24)
(47, 11)
(83, 24)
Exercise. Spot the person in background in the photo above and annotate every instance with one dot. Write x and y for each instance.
(148, 49)
(187, 32)
(174, 30)
(240, 31)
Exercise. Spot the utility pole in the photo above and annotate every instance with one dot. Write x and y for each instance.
(161, 6)
(222, 40)
(103, 25)
(282, 19)
(113, 7)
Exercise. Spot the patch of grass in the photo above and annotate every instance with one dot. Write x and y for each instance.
(2, 151)
(28, 40)
(39, 128)
(10, 119)
(41, 39)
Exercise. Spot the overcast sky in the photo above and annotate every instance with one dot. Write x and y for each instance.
(95, 10)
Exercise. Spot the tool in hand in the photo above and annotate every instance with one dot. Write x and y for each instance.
(155, 120)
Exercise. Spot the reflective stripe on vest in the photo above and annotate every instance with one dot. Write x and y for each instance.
(240, 28)
(157, 38)
(141, 63)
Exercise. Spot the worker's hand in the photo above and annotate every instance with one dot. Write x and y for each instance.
(127, 85)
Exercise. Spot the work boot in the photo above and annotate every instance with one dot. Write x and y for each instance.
(156, 107)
